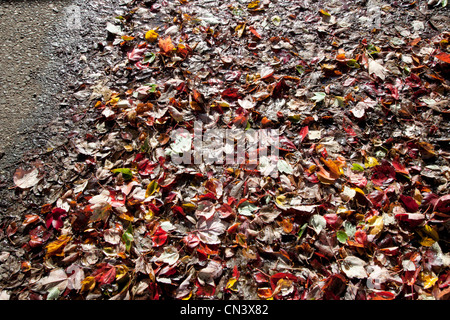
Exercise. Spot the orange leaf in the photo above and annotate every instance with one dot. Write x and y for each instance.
(287, 225)
(255, 33)
(56, 247)
(443, 57)
(166, 44)
(265, 293)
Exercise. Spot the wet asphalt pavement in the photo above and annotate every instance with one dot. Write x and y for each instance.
(25, 28)
(41, 65)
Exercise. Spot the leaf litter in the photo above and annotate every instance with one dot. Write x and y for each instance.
(359, 208)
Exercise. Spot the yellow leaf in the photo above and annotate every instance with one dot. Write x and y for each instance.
(253, 4)
(371, 162)
(128, 147)
(376, 223)
(149, 215)
(151, 36)
(429, 236)
(240, 30)
(281, 200)
(56, 247)
(428, 279)
(126, 216)
(231, 284)
(359, 190)
(188, 296)
(114, 101)
(188, 206)
(88, 284)
(121, 271)
(427, 242)
(431, 232)
(325, 13)
(152, 188)
(418, 196)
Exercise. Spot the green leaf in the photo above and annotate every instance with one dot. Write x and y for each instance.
(145, 146)
(276, 20)
(357, 167)
(349, 228)
(53, 293)
(247, 209)
(319, 96)
(128, 238)
(302, 230)
(300, 69)
(285, 167)
(318, 223)
(352, 63)
(126, 173)
(372, 49)
(149, 57)
(341, 236)
(153, 88)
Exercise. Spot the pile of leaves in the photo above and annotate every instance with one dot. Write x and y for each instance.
(358, 209)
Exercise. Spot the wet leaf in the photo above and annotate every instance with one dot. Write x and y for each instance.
(318, 223)
(26, 178)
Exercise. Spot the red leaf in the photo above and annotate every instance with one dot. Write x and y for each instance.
(225, 211)
(303, 132)
(360, 237)
(159, 237)
(191, 240)
(378, 198)
(179, 210)
(54, 218)
(383, 174)
(115, 202)
(107, 277)
(145, 167)
(414, 219)
(205, 291)
(399, 167)
(231, 94)
(382, 295)
(261, 277)
(409, 203)
(255, 33)
(281, 275)
(333, 220)
(29, 219)
(236, 272)
(443, 204)
(136, 54)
